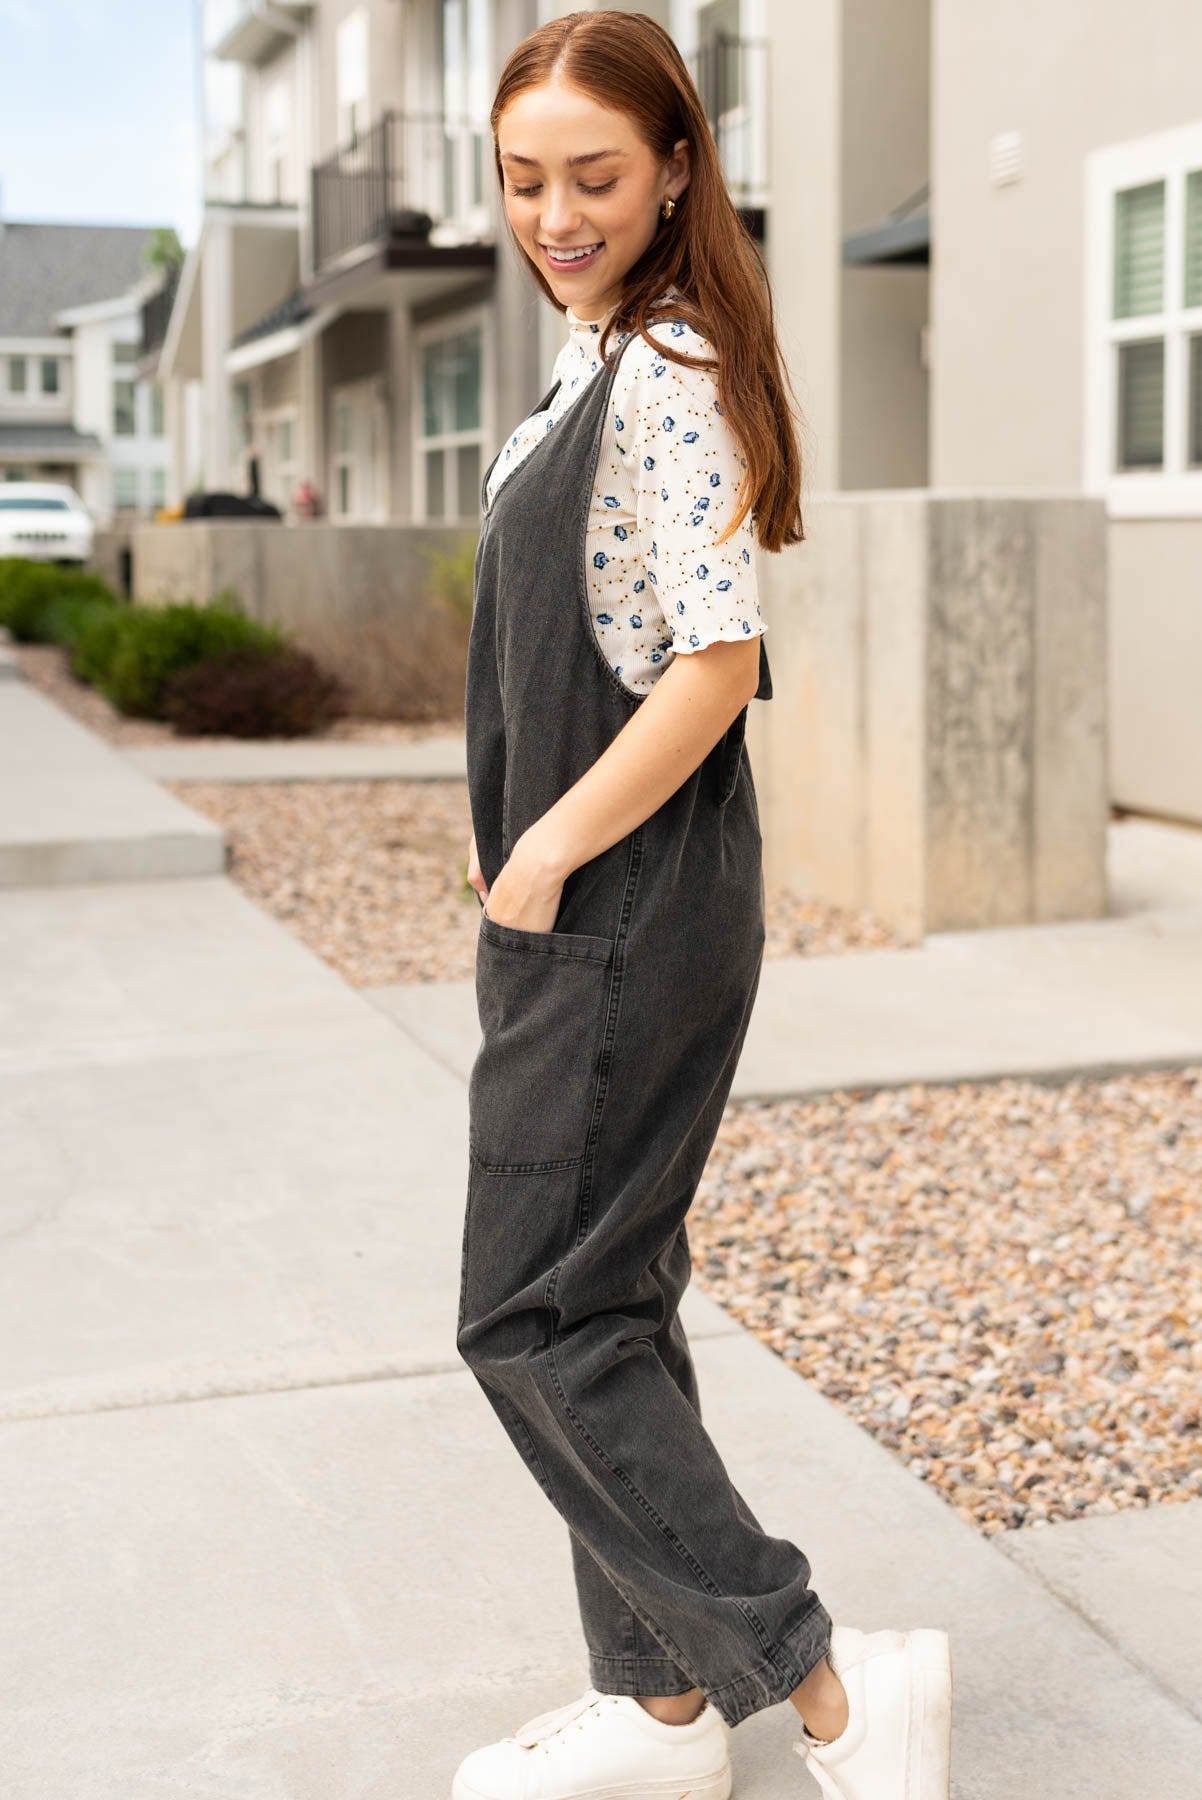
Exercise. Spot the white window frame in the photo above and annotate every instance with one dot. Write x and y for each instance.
(368, 397)
(1176, 491)
(280, 474)
(452, 325)
(127, 470)
(277, 142)
(352, 60)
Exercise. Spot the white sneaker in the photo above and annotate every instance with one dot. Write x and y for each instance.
(602, 1747)
(897, 1741)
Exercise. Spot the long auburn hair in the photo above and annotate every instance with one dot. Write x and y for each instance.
(629, 63)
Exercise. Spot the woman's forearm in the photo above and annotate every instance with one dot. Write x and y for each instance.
(690, 706)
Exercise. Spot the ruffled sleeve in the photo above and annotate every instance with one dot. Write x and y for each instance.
(687, 466)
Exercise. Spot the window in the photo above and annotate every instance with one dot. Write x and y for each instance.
(50, 374)
(125, 489)
(18, 374)
(241, 423)
(465, 104)
(275, 131)
(156, 410)
(351, 57)
(1144, 392)
(281, 475)
(124, 419)
(158, 487)
(359, 450)
(450, 448)
(124, 353)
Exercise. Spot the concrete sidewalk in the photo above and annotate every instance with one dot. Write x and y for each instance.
(304, 759)
(243, 1551)
(71, 809)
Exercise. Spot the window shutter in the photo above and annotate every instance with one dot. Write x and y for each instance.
(1193, 238)
(1141, 405)
(1139, 250)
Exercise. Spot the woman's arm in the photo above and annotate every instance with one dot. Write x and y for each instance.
(692, 703)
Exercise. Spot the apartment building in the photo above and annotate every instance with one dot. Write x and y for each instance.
(984, 233)
(74, 406)
(352, 312)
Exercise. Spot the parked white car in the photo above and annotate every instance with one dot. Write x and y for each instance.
(44, 520)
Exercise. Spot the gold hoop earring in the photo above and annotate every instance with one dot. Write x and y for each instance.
(668, 207)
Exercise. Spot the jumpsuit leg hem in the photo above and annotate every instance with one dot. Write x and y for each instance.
(643, 1677)
(773, 1680)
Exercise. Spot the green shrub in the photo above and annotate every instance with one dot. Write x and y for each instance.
(29, 589)
(451, 576)
(96, 631)
(254, 693)
(133, 665)
(63, 619)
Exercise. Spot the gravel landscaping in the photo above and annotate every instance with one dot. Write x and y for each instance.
(1001, 1282)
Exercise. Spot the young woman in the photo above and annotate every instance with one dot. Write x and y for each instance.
(617, 642)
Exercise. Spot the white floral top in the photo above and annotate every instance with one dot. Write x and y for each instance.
(667, 473)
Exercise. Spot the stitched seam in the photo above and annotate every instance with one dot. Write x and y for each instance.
(633, 866)
(682, 1549)
(546, 1167)
(565, 949)
(788, 1670)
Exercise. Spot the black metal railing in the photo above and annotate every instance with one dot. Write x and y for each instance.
(731, 74)
(404, 174)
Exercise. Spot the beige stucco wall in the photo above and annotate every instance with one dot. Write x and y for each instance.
(1007, 306)
(802, 251)
(885, 158)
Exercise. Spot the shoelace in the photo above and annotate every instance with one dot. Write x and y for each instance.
(544, 1725)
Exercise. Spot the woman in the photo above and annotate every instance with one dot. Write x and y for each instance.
(616, 644)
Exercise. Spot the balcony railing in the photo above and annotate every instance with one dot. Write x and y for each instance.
(732, 78)
(403, 166)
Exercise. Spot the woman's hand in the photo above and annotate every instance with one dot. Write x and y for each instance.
(475, 874)
(528, 889)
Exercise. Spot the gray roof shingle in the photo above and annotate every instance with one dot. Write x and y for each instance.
(44, 268)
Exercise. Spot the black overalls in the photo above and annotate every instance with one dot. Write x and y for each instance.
(608, 1051)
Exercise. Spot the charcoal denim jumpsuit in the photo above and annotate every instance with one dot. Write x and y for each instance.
(609, 1045)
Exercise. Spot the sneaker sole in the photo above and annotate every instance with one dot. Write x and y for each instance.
(710, 1787)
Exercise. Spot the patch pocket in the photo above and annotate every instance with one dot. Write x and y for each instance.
(541, 997)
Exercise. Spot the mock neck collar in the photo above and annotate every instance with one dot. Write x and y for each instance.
(586, 332)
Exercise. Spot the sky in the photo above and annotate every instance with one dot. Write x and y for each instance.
(98, 113)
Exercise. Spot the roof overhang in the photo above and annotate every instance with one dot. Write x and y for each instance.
(264, 251)
(901, 239)
(97, 311)
(48, 443)
(399, 272)
(258, 29)
(285, 342)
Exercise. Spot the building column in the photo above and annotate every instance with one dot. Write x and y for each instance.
(216, 330)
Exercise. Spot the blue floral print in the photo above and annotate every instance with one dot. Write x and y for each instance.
(667, 486)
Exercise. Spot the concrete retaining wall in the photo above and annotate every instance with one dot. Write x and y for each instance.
(936, 747)
(362, 597)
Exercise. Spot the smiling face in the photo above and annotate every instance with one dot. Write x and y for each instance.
(582, 191)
